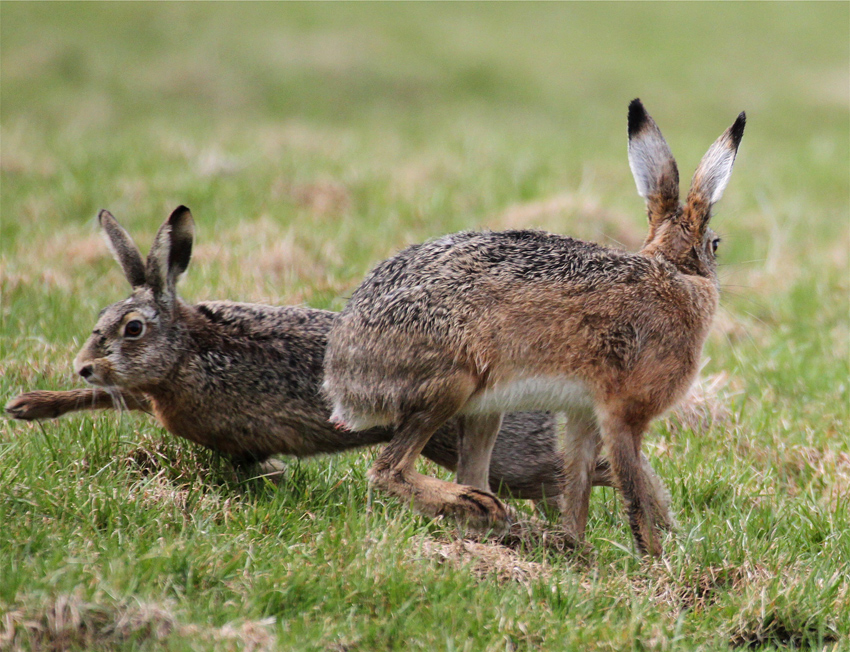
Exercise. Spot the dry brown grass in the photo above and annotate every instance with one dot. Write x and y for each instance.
(581, 215)
(694, 587)
(483, 560)
(61, 262)
(258, 258)
(705, 404)
(283, 138)
(778, 611)
(67, 621)
(324, 198)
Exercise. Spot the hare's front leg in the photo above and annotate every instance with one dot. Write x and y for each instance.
(42, 404)
(394, 473)
(477, 437)
(623, 437)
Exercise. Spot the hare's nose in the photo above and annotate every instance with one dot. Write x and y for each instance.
(86, 371)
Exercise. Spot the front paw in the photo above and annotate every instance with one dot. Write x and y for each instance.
(32, 405)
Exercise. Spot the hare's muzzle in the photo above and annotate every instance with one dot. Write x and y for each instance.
(88, 370)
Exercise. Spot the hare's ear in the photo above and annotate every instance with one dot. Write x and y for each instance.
(652, 164)
(170, 253)
(712, 175)
(123, 249)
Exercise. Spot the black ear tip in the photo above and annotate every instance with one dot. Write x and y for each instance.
(180, 213)
(737, 129)
(103, 214)
(637, 116)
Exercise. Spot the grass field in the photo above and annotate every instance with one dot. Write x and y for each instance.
(310, 142)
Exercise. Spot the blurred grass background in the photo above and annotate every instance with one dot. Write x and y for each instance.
(313, 140)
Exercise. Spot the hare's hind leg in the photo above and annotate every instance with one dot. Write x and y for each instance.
(660, 502)
(477, 437)
(580, 448)
(394, 473)
(658, 497)
(623, 438)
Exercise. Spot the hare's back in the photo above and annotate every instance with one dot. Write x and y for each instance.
(276, 350)
(434, 282)
(525, 255)
(263, 322)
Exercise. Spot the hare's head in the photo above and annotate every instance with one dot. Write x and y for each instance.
(136, 342)
(680, 232)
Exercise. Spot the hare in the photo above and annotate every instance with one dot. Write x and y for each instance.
(475, 324)
(244, 379)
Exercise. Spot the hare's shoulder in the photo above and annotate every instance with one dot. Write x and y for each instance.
(260, 321)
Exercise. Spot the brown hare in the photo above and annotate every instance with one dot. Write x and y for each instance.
(475, 324)
(244, 379)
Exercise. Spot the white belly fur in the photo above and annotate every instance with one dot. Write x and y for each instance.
(555, 393)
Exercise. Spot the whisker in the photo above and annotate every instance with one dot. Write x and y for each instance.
(605, 236)
(755, 303)
(748, 335)
(732, 263)
(146, 411)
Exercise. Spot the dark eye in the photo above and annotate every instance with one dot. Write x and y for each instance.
(134, 329)
(714, 245)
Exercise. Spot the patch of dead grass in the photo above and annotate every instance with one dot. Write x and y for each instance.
(412, 178)
(706, 404)
(262, 255)
(22, 163)
(67, 621)
(484, 560)
(833, 467)
(695, 587)
(803, 464)
(177, 461)
(305, 138)
(581, 215)
(728, 328)
(57, 261)
(323, 198)
(782, 611)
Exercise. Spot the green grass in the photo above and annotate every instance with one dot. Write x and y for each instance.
(311, 141)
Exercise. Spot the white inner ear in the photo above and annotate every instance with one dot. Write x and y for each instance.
(161, 247)
(715, 170)
(638, 164)
(112, 248)
(649, 156)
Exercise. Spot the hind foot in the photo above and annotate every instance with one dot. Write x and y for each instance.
(474, 507)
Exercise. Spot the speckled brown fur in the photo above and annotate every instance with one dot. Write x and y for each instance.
(244, 379)
(478, 323)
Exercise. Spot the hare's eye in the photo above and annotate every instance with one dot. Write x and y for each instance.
(134, 329)
(714, 245)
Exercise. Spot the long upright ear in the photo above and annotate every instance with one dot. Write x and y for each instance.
(170, 253)
(652, 164)
(712, 175)
(123, 249)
